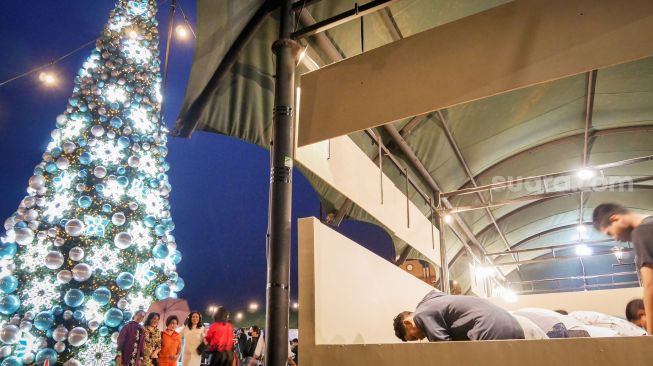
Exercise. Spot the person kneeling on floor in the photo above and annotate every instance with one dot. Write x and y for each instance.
(442, 317)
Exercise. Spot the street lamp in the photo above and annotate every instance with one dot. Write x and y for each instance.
(295, 305)
(213, 309)
(182, 32)
(239, 316)
(253, 307)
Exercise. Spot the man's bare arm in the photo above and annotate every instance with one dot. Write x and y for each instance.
(647, 282)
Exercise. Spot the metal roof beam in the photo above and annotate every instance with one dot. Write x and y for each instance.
(552, 259)
(342, 18)
(461, 160)
(514, 182)
(597, 133)
(553, 247)
(562, 193)
(589, 109)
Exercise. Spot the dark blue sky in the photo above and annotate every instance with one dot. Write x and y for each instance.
(220, 184)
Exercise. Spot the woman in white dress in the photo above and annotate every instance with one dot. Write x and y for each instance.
(193, 334)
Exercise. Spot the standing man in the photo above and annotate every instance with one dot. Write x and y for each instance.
(251, 346)
(131, 341)
(294, 348)
(624, 225)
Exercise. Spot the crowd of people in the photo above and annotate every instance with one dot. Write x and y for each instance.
(141, 343)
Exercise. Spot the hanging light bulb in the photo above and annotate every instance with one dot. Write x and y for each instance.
(182, 32)
(47, 78)
(448, 219)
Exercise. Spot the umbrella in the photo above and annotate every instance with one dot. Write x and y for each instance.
(169, 307)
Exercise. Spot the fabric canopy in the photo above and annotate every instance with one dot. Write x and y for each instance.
(531, 131)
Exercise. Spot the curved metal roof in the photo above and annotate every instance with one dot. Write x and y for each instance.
(527, 132)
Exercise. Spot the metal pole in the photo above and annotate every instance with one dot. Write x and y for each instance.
(444, 266)
(278, 297)
(173, 6)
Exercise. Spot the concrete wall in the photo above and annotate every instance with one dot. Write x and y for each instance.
(349, 296)
(611, 302)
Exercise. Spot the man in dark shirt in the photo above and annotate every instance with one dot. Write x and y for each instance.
(442, 317)
(252, 342)
(624, 225)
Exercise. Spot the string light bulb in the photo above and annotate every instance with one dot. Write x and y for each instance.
(48, 78)
(182, 32)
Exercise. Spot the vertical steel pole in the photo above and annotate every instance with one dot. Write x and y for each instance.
(173, 6)
(278, 297)
(444, 266)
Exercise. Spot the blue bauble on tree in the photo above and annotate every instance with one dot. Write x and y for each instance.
(9, 304)
(162, 291)
(84, 201)
(12, 361)
(74, 298)
(125, 280)
(104, 331)
(102, 295)
(176, 257)
(8, 250)
(46, 354)
(180, 284)
(44, 320)
(8, 284)
(113, 317)
(160, 251)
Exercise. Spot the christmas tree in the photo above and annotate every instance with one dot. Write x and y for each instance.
(91, 243)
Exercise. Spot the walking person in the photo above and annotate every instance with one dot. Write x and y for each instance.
(241, 345)
(152, 341)
(259, 352)
(220, 339)
(131, 341)
(193, 334)
(251, 346)
(628, 226)
(170, 343)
